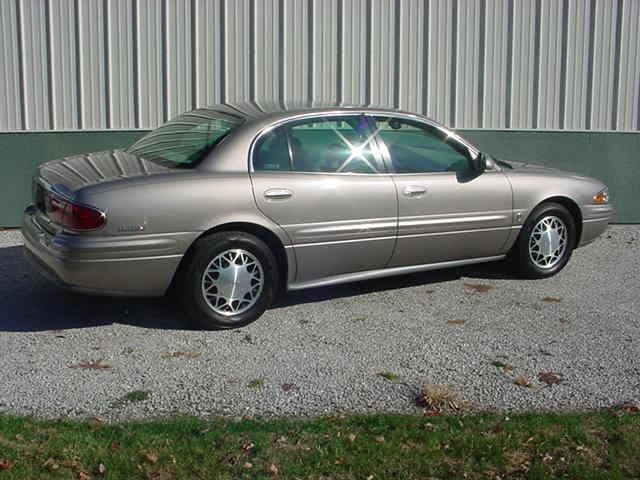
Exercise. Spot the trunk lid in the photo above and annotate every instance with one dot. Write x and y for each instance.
(57, 187)
(72, 173)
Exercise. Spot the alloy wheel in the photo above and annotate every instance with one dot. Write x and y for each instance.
(232, 282)
(548, 242)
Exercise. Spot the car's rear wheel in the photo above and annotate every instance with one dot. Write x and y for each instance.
(229, 280)
(546, 241)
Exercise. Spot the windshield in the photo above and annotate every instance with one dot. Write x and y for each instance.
(185, 140)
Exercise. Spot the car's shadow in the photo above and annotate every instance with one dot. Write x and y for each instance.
(29, 304)
(495, 270)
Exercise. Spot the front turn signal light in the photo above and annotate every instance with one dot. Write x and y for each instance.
(601, 197)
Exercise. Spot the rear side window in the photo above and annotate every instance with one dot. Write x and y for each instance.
(342, 144)
(272, 152)
(416, 147)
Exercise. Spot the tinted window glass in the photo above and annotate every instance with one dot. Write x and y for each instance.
(418, 148)
(185, 140)
(272, 152)
(334, 144)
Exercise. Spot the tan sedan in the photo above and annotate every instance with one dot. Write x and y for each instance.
(232, 204)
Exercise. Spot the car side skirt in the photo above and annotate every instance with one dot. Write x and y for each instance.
(388, 272)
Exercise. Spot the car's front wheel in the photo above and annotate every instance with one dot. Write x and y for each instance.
(546, 241)
(230, 279)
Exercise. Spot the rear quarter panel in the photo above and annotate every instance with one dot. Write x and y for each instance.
(177, 203)
(181, 207)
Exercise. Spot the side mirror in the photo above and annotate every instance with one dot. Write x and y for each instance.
(479, 162)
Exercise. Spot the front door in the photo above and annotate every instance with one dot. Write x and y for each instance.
(446, 210)
(323, 181)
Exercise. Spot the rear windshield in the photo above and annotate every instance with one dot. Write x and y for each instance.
(185, 140)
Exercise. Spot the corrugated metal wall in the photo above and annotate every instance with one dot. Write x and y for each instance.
(125, 64)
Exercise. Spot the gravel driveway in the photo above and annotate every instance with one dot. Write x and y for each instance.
(323, 351)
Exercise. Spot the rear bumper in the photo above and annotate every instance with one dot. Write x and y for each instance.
(115, 267)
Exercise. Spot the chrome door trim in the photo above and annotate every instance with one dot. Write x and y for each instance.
(451, 219)
(374, 227)
(382, 146)
(409, 235)
(457, 232)
(338, 242)
(367, 112)
(387, 272)
(292, 119)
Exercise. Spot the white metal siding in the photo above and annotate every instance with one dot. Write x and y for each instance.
(324, 51)
(467, 73)
(36, 89)
(411, 48)
(267, 58)
(207, 57)
(64, 79)
(495, 64)
(382, 43)
(523, 64)
(150, 92)
(548, 94)
(124, 64)
(628, 98)
(92, 56)
(296, 46)
(236, 68)
(603, 68)
(440, 58)
(10, 62)
(179, 54)
(577, 78)
(353, 51)
(121, 61)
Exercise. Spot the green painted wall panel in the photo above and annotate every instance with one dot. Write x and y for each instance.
(21, 153)
(611, 157)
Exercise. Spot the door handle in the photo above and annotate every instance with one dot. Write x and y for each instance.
(414, 190)
(278, 193)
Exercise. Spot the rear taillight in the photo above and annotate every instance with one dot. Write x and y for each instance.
(72, 215)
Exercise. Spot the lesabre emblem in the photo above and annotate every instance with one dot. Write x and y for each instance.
(131, 228)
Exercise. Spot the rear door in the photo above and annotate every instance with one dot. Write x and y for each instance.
(323, 180)
(446, 210)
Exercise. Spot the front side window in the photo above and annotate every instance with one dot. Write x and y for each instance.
(325, 144)
(416, 147)
(185, 140)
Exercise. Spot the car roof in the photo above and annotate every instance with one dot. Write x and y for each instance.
(258, 116)
(276, 110)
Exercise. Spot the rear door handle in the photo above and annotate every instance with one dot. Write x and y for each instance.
(277, 193)
(414, 191)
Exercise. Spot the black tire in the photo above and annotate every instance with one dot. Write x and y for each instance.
(520, 257)
(203, 252)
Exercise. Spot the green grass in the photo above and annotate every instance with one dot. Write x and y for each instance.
(131, 397)
(137, 396)
(392, 377)
(502, 365)
(257, 383)
(599, 445)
